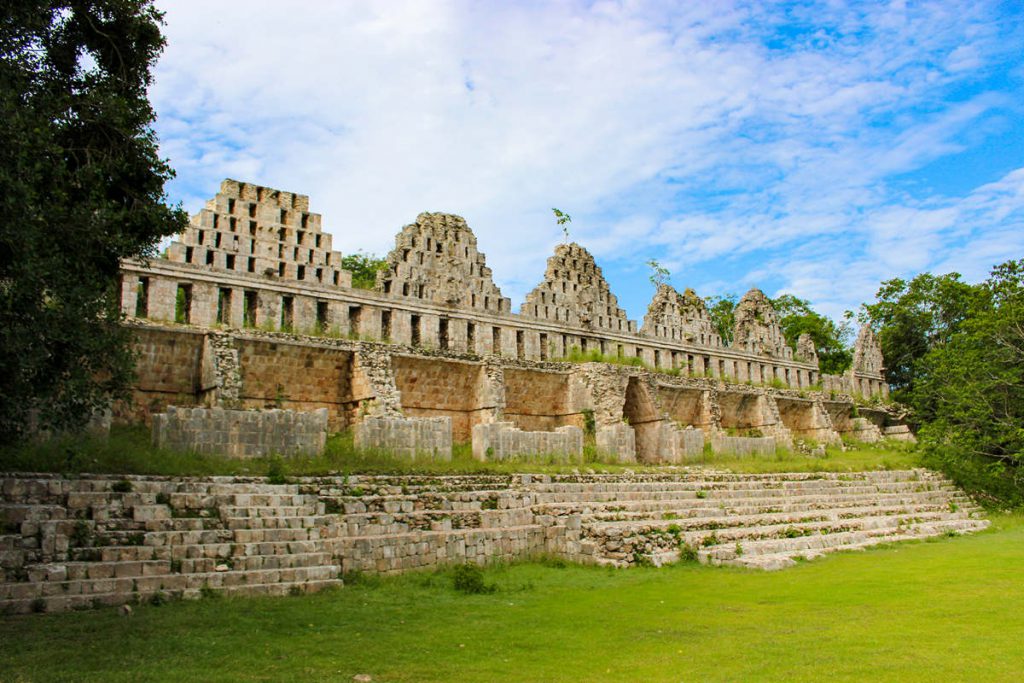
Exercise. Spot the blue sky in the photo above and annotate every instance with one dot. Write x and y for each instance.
(815, 148)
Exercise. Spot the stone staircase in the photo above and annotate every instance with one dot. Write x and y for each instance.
(763, 521)
(100, 540)
(76, 544)
(396, 524)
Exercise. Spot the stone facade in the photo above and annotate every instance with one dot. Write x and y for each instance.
(676, 316)
(241, 433)
(292, 333)
(436, 259)
(259, 230)
(448, 302)
(96, 541)
(575, 293)
(638, 414)
(757, 327)
(806, 349)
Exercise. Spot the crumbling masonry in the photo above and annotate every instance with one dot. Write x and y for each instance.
(251, 309)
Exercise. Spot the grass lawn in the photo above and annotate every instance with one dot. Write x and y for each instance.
(129, 451)
(946, 610)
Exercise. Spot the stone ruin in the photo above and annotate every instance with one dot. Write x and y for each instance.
(575, 293)
(679, 317)
(251, 310)
(757, 327)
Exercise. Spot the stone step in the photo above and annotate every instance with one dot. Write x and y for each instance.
(657, 508)
(233, 583)
(297, 522)
(733, 494)
(790, 502)
(699, 476)
(382, 523)
(710, 524)
(726, 553)
(254, 562)
(479, 500)
(621, 545)
(216, 549)
(257, 512)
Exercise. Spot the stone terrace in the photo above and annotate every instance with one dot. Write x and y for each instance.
(98, 540)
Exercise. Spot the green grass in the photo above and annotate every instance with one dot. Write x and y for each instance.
(129, 451)
(948, 609)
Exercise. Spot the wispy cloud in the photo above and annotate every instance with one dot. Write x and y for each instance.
(733, 142)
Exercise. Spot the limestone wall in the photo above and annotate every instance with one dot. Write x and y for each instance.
(437, 387)
(743, 446)
(241, 433)
(410, 437)
(504, 441)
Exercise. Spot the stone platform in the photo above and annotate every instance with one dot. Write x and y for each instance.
(94, 541)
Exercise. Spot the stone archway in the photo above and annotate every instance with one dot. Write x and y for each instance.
(641, 412)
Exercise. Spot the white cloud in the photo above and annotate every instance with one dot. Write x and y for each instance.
(635, 117)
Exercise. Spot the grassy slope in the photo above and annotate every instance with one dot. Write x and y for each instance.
(952, 609)
(129, 451)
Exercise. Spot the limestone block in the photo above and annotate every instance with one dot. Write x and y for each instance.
(617, 440)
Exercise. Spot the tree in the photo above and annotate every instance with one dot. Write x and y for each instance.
(659, 273)
(912, 318)
(81, 187)
(968, 388)
(364, 268)
(563, 219)
(831, 340)
(722, 309)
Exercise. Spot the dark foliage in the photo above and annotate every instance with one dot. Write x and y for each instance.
(81, 187)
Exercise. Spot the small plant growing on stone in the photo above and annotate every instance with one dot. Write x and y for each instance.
(159, 598)
(953, 507)
(589, 424)
(81, 535)
(469, 579)
(659, 273)
(490, 503)
(123, 486)
(277, 472)
(163, 499)
(563, 219)
(687, 553)
(710, 540)
(702, 494)
(739, 550)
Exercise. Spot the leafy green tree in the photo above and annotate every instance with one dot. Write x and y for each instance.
(364, 268)
(81, 187)
(968, 388)
(830, 339)
(913, 317)
(722, 309)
